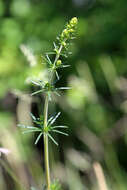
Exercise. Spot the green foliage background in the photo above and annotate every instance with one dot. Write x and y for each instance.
(95, 109)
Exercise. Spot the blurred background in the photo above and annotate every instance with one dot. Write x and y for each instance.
(94, 156)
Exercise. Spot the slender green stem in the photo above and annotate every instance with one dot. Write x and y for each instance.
(45, 125)
(58, 55)
(56, 58)
(47, 169)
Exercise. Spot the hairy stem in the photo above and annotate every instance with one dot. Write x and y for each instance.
(46, 144)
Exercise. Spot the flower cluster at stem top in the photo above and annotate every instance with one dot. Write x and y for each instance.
(69, 31)
(53, 66)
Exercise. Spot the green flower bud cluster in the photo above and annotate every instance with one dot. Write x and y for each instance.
(68, 32)
(66, 35)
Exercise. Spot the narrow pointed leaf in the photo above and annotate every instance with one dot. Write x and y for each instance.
(52, 139)
(55, 127)
(63, 88)
(54, 45)
(64, 66)
(50, 119)
(27, 127)
(30, 131)
(49, 61)
(37, 92)
(38, 123)
(38, 138)
(54, 119)
(33, 117)
(57, 75)
(36, 83)
(62, 133)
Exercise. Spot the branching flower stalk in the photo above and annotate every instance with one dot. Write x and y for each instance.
(43, 125)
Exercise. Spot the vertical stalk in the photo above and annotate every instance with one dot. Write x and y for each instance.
(58, 55)
(46, 152)
(56, 58)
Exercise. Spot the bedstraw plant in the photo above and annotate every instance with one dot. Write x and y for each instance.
(44, 125)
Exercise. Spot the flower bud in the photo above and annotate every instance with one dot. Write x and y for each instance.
(65, 33)
(63, 43)
(68, 26)
(58, 63)
(71, 30)
(74, 21)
